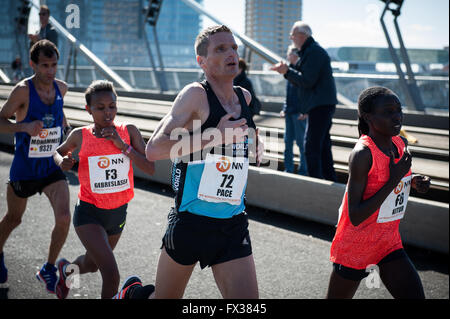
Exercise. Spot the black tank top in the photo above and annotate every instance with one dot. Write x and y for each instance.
(216, 110)
(186, 174)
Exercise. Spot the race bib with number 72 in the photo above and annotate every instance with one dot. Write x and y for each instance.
(223, 179)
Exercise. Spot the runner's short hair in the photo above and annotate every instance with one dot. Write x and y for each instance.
(96, 87)
(47, 47)
(202, 40)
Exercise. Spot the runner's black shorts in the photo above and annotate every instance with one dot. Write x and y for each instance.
(27, 188)
(112, 220)
(360, 274)
(190, 238)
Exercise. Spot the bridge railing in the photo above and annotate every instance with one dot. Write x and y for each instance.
(268, 85)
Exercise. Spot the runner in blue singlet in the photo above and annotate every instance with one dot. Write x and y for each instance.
(37, 104)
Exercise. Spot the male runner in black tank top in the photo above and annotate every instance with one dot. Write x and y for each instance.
(234, 272)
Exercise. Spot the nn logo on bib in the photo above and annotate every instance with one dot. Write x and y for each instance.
(43, 133)
(399, 188)
(103, 162)
(223, 164)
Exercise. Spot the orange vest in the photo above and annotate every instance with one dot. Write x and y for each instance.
(369, 242)
(105, 174)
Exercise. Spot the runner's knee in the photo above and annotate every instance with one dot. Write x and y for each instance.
(88, 264)
(12, 220)
(110, 274)
(62, 219)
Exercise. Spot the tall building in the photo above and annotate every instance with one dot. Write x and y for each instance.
(113, 30)
(178, 26)
(269, 23)
(13, 33)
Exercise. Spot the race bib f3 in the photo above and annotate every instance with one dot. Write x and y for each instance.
(109, 173)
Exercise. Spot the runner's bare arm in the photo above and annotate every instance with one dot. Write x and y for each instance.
(63, 88)
(260, 143)
(188, 106)
(17, 100)
(359, 166)
(63, 154)
(247, 96)
(137, 154)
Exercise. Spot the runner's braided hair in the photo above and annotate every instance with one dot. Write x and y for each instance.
(366, 103)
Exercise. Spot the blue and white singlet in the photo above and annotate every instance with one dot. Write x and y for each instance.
(214, 185)
(33, 157)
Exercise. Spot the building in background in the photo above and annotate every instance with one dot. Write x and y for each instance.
(113, 30)
(269, 22)
(13, 31)
(379, 60)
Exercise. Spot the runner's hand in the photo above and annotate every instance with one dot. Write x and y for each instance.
(67, 162)
(33, 128)
(421, 183)
(397, 171)
(232, 131)
(111, 134)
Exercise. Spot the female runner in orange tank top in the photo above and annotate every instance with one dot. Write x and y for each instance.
(106, 185)
(367, 235)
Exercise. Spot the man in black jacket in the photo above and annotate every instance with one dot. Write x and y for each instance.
(47, 31)
(313, 77)
(242, 80)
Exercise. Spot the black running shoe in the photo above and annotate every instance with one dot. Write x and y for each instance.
(124, 292)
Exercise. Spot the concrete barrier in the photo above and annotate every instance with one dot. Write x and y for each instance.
(425, 225)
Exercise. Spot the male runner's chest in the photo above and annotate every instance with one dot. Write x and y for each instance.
(47, 97)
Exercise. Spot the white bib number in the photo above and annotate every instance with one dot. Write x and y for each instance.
(45, 143)
(223, 179)
(109, 173)
(394, 206)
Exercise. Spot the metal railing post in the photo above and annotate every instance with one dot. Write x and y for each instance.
(259, 49)
(88, 54)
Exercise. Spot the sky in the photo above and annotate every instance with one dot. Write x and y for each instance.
(356, 22)
(351, 22)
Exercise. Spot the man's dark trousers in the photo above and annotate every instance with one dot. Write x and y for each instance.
(318, 143)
